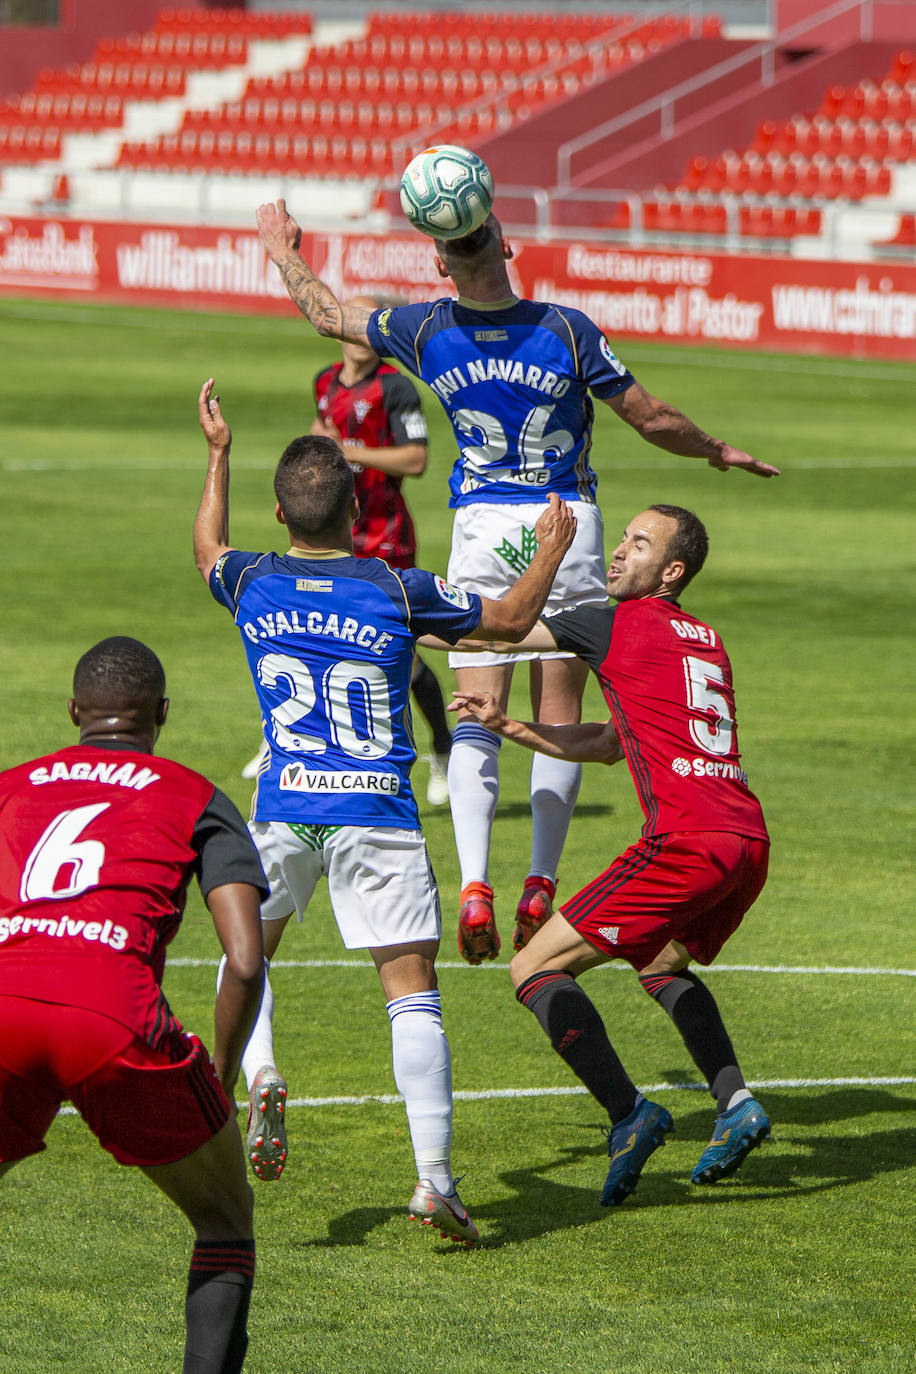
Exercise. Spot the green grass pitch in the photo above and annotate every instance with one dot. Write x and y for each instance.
(803, 1261)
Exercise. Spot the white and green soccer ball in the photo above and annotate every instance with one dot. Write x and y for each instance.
(447, 191)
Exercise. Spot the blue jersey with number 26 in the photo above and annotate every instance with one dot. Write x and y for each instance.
(515, 383)
(330, 644)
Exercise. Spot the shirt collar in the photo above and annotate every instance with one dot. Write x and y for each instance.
(318, 553)
(505, 304)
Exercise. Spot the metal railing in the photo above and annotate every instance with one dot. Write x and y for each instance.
(545, 204)
(498, 101)
(663, 105)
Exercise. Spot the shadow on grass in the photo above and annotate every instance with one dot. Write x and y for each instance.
(582, 809)
(813, 1163)
(540, 1205)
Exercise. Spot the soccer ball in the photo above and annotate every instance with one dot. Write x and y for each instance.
(447, 191)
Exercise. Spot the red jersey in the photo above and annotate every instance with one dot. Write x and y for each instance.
(668, 682)
(97, 847)
(379, 411)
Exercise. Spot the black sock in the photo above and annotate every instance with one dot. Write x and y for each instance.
(216, 1310)
(425, 686)
(577, 1033)
(693, 1010)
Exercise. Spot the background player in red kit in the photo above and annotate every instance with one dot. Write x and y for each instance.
(97, 845)
(683, 888)
(373, 411)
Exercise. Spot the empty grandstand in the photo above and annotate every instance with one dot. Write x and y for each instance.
(656, 124)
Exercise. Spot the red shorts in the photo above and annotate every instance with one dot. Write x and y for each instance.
(146, 1106)
(691, 887)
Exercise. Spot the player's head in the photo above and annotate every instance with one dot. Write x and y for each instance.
(314, 489)
(119, 690)
(484, 250)
(662, 549)
(689, 543)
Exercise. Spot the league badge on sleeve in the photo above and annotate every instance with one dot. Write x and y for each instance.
(452, 594)
(609, 356)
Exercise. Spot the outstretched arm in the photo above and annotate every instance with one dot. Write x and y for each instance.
(280, 236)
(235, 908)
(590, 742)
(666, 427)
(211, 527)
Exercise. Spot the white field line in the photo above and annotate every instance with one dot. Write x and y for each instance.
(839, 463)
(756, 362)
(214, 323)
(144, 464)
(488, 1094)
(617, 967)
(574, 1090)
(124, 318)
(494, 1094)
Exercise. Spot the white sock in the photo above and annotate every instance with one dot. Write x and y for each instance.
(423, 1075)
(740, 1095)
(260, 1048)
(554, 789)
(473, 790)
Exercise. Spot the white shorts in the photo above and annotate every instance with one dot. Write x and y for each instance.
(380, 881)
(492, 545)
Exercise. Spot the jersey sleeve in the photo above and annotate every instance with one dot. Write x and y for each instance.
(402, 406)
(438, 607)
(584, 631)
(316, 383)
(225, 851)
(392, 333)
(601, 370)
(226, 577)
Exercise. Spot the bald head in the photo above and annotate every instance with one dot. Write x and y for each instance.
(359, 358)
(367, 299)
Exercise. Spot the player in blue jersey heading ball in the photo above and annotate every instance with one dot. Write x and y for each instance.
(516, 378)
(330, 642)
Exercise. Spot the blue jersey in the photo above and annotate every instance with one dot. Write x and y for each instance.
(330, 644)
(515, 383)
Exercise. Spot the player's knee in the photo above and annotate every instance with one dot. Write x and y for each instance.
(521, 966)
(672, 959)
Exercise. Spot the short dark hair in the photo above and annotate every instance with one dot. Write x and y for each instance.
(689, 543)
(458, 252)
(118, 671)
(314, 485)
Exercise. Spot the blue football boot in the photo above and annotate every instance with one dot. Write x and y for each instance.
(736, 1133)
(629, 1144)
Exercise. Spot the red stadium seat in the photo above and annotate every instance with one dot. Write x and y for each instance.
(905, 237)
(901, 102)
(696, 173)
(902, 68)
(766, 135)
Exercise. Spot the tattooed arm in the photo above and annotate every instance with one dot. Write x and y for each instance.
(281, 236)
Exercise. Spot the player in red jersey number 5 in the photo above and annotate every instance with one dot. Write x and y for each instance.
(683, 888)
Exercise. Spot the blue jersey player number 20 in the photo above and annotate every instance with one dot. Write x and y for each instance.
(329, 642)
